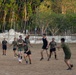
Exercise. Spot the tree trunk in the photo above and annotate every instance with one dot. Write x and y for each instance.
(12, 19)
(4, 21)
(25, 16)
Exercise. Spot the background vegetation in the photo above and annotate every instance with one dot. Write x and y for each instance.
(54, 17)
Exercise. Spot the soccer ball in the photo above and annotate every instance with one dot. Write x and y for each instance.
(20, 60)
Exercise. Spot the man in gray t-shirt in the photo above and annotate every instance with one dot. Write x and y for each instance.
(52, 45)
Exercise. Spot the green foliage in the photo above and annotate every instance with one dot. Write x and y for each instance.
(54, 16)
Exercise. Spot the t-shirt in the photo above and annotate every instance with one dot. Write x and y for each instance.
(14, 44)
(26, 44)
(20, 43)
(52, 44)
(45, 42)
(4, 42)
(66, 49)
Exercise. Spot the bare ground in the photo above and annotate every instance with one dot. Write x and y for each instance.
(10, 66)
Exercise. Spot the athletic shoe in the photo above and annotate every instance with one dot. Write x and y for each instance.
(30, 63)
(41, 59)
(26, 62)
(69, 68)
(71, 65)
(56, 59)
(48, 59)
(21, 57)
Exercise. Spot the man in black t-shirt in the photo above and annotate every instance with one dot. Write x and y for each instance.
(44, 47)
(4, 46)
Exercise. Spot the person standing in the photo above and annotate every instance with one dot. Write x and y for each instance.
(44, 47)
(52, 45)
(4, 46)
(14, 43)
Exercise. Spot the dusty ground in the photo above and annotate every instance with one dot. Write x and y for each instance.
(10, 66)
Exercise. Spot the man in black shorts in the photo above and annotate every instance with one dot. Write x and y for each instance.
(14, 43)
(52, 45)
(4, 46)
(44, 47)
(27, 52)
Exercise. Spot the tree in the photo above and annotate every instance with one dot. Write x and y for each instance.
(68, 6)
(42, 15)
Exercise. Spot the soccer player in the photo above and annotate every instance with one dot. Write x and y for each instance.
(27, 52)
(4, 46)
(44, 47)
(67, 53)
(14, 43)
(20, 48)
(52, 45)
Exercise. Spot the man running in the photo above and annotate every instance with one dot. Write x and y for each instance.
(20, 48)
(27, 52)
(44, 47)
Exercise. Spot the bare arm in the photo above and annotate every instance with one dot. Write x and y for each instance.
(58, 47)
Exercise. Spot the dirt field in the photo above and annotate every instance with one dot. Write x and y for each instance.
(10, 66)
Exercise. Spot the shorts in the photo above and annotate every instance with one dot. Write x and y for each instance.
(67, 56)
(20, 49)
(4, 47)
(28, 53)
(14, 49)
(44, 47)
(52, 49)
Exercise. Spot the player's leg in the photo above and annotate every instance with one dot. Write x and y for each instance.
(29, 56)
(14, 53)
(47, 53)
(50, 55)
(42, 55)
(18, 54)
(21, 54)
(3, 51)
(55, 54)
(67, 61)
(25, 58)
(19, 57)
(14, 50)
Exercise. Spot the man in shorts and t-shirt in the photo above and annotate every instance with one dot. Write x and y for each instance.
(4, 46)
(67, 53)
(44, 47)
(52, 45)
(14, 43)
(27, 52)
(20, 48)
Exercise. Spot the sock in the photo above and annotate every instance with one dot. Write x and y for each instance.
(55, 56)
(21, 57)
